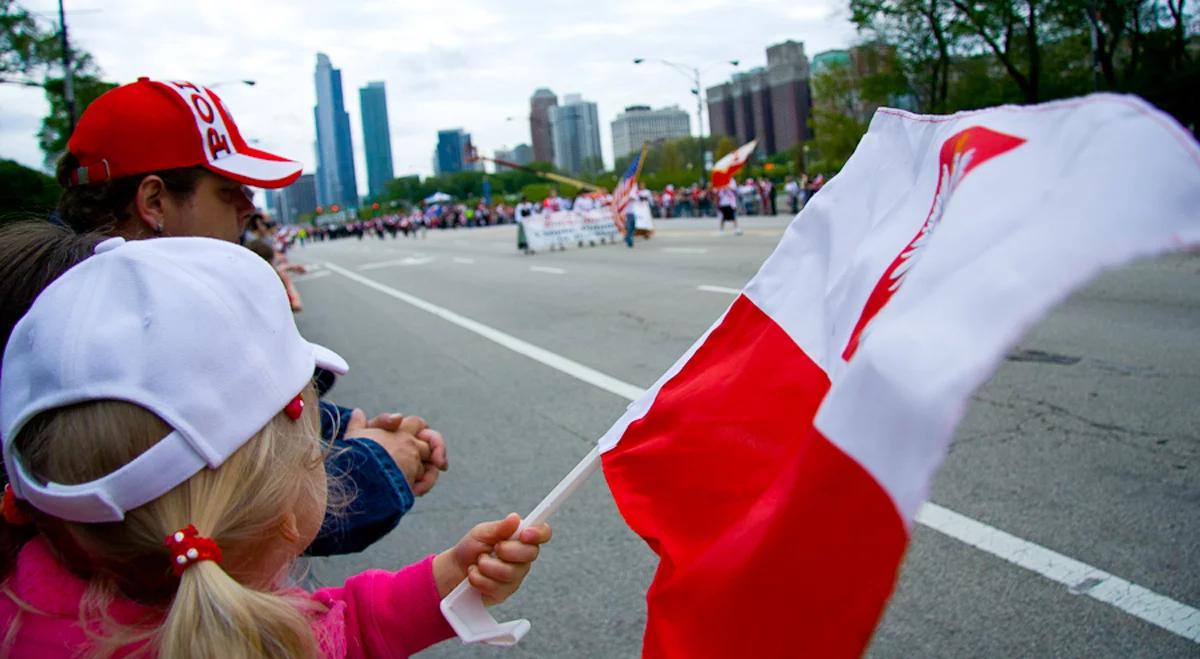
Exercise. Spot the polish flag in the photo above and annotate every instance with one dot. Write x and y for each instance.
(731, 163)
(777, 467)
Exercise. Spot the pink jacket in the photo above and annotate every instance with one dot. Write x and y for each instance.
(375, 614)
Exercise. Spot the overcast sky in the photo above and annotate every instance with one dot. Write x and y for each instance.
(447, 64)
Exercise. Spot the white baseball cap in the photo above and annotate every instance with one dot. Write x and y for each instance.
(195, 330)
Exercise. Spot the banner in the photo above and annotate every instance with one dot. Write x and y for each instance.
(561, 228)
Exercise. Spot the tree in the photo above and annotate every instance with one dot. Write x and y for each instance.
(837, 117)
(25, 191)
(926, 36)
(26, 48)
(56, 126)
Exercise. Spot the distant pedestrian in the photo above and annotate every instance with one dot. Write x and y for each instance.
(727, 198)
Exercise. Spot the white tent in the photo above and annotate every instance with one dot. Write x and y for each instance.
(437, 197)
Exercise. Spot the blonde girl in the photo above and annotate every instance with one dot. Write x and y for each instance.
(165, 468)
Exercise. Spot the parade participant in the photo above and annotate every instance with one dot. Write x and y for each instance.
(151, 159)
(727, 198)
(172, 535)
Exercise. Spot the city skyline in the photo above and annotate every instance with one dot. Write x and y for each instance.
(434, 78)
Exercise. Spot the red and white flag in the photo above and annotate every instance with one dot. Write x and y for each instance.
(731, 163)
(777, 467)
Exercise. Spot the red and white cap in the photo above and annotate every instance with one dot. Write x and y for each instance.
(149, 126)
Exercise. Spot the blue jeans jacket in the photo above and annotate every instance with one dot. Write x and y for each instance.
(379, 492)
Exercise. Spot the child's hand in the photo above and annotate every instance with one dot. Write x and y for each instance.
(495, 564)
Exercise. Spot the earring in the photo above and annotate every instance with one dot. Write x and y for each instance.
(158, 229)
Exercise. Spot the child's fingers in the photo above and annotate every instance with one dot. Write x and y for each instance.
(538, 534)
(512, 551)
(501, 571)
(491, 533)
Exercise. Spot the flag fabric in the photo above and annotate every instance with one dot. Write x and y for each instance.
(625, 189)
(777, 467)
(731, 163)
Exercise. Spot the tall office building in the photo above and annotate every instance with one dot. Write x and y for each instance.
(453, 153)
(639, 124)
(377, 138)
(771, 104)
(575, 127)
(299, 198)
(539, 124)
(520, 154)
(336, 183)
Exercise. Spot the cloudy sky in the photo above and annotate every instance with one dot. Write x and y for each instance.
(447, 64)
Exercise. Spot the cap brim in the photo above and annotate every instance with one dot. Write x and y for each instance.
(257, 168)
(329, 360)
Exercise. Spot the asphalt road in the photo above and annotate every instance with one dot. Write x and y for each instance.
(1085, 442)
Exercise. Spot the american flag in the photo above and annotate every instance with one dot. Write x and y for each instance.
(623, 193)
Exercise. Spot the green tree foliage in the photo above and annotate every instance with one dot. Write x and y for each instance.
(55, 131)
(837, 118)
(25, 191)
(959, 54)
(26, 45)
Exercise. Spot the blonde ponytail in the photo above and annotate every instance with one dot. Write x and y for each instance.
(215, 616)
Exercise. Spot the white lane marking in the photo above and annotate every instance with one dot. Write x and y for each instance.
(719, 289)
(460, 259)
(1081, 578)
(411, 260)
(541, 355)
(313, 275)
(685, 250)
(543, 268)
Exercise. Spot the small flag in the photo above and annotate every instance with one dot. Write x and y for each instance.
(623, 193)
(777, 467)
(731, 163)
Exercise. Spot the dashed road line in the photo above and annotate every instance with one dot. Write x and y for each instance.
(547, 269)
(719, 289)
(411, 260)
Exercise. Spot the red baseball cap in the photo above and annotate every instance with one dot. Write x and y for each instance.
(148, 126)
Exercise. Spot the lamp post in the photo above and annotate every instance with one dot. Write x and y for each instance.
(248, 83)
(692, 73)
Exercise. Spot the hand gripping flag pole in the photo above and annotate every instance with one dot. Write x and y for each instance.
(464, 608)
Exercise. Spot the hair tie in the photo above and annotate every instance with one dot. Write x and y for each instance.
(295, 408)
(13, 515)
(188, 547)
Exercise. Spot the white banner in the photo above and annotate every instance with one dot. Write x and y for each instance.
(562, 228)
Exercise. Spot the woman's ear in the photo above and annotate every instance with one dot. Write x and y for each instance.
(150, 205)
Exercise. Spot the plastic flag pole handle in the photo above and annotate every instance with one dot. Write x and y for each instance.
(463, 607)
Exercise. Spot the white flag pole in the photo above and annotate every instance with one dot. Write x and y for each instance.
(463, 607)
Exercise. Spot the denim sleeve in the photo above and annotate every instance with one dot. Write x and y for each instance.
(379, 494)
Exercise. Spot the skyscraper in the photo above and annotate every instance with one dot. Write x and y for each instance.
(539, 124)
(639, 124)
(770, 104)
(575, 126)
(377, 138)
(336, 183)
(453, 152)
(521, 154)
(299, 198)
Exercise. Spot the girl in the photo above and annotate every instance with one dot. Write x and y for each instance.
(161, 442)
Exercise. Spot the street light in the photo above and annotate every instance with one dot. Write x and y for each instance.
(693, 75)
(248, 83)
